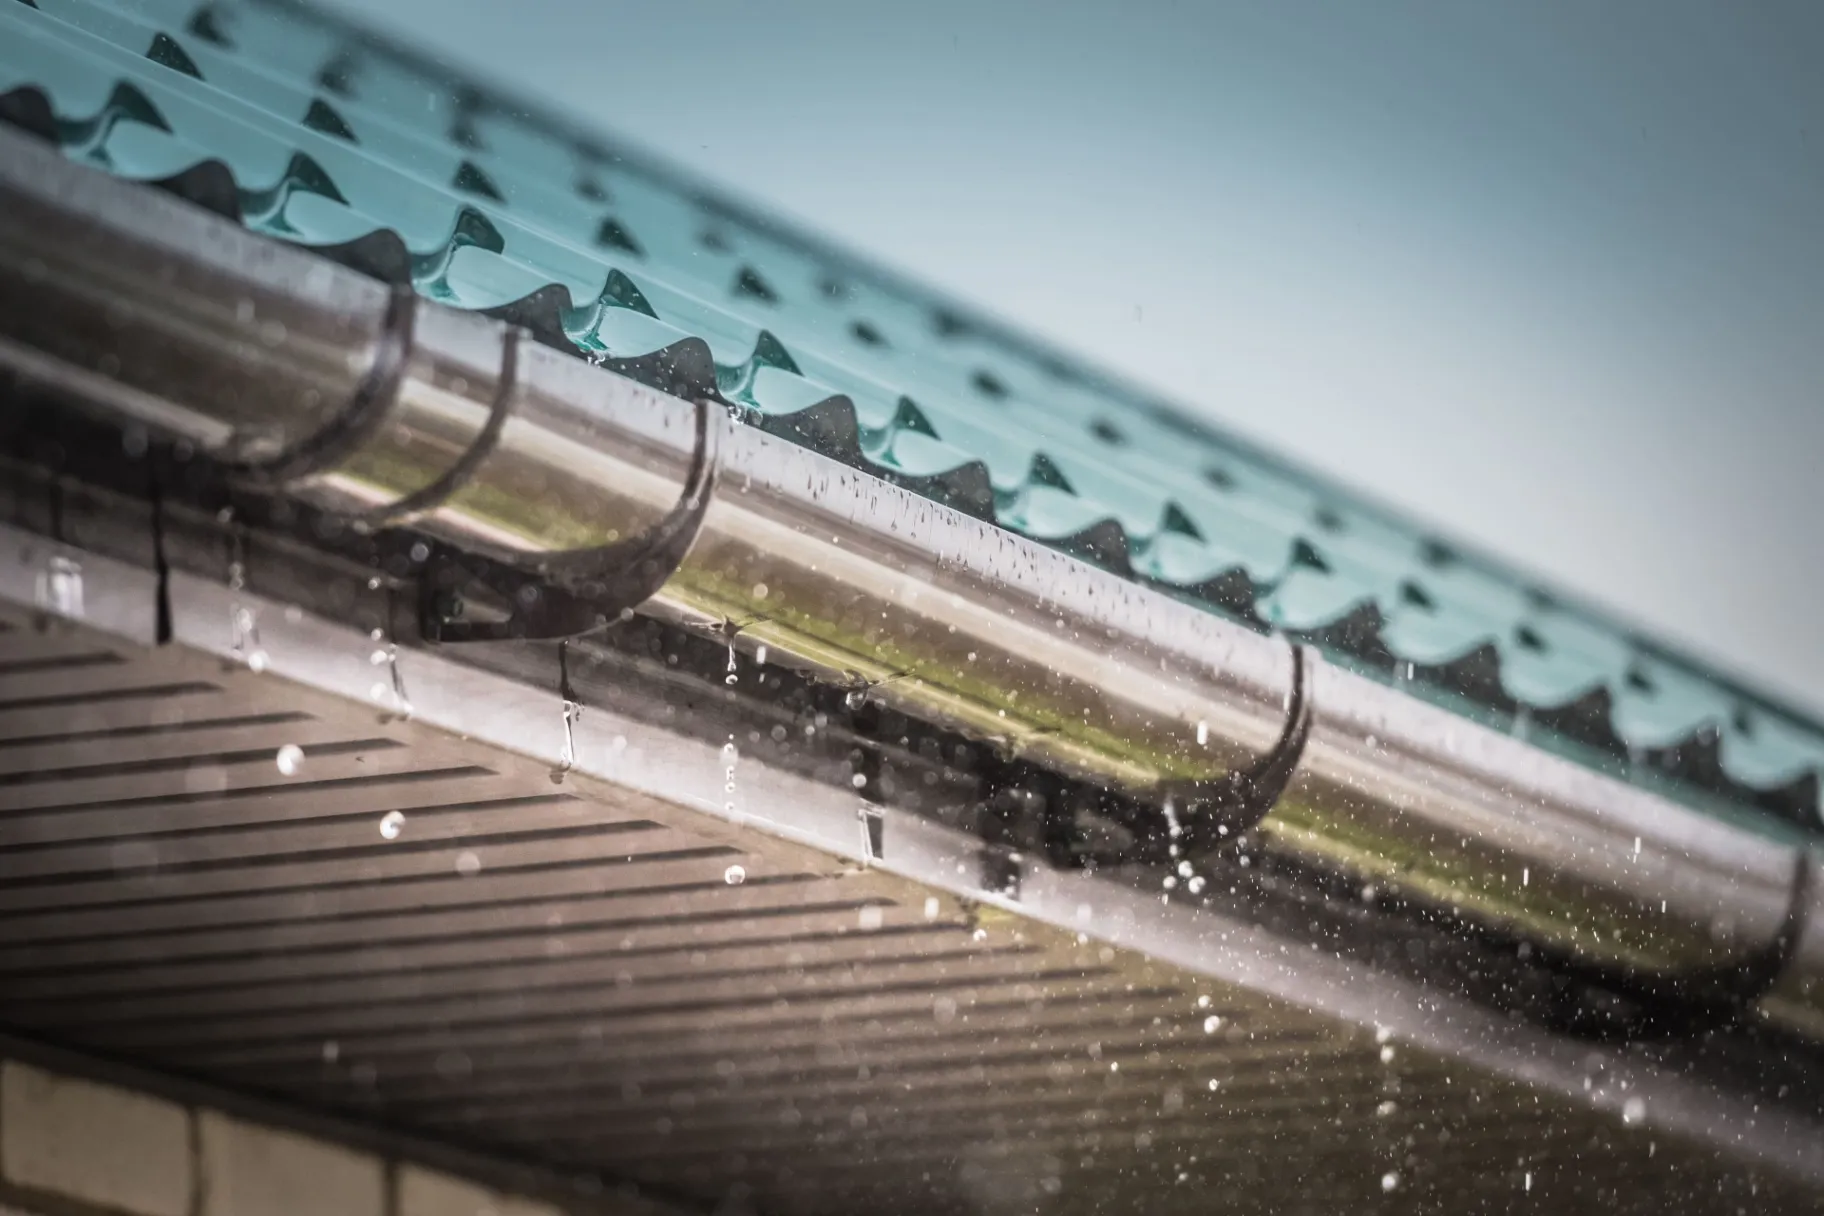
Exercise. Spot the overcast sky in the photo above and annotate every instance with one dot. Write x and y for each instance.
(1546, 275)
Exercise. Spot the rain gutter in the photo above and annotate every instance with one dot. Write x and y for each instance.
(572, 494)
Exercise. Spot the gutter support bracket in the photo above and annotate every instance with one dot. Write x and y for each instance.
(566, 595)
(1694, 1003)
(1211, 814)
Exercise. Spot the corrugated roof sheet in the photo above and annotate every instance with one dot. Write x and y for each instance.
(313, 133)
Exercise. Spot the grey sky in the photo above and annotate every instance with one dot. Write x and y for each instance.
(1549, 276)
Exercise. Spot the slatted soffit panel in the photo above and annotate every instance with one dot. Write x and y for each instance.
(398, 926)
(307, 132)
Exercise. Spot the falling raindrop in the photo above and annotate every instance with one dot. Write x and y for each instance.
(391, 824)
(871, 917)
(566, 757)
(1212, 1024)
(932, 907)
(733, 677)
(401, 701)
(735, 875)
(290, 759)
(1633, 1111)
(468, 864)
(731, 758)
(60, 587)
(1390, 1181)
(855, 698)
(243, 625)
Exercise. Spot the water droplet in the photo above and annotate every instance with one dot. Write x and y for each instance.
(735, 875)
(1212, 1024)
(290, 759)
(1203, 1002)
(870, 918)
(943, 1009)
(1387, 1054)
(980, 935)
(731, 757)
(572, 710)
(1215, 1085)
(855, 698)
(332, 1051)
(1386, 1108)
(468, 864)
(256, 661)
(1633, 1111)
(1203, 733)
(60, 587)
(1184, 869)
(932, 907)
(378, 658)
(391, 824)
(1390, 1181)
(1196, 885)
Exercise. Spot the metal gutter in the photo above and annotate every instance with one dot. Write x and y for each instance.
(533, 474)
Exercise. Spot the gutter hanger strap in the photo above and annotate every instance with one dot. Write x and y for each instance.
(357, 425)
(564, 595)
(1217, 810)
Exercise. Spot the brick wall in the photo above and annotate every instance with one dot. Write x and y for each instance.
(71, 1145)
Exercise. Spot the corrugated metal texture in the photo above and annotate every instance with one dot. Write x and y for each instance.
(310, 133)
(602, 981)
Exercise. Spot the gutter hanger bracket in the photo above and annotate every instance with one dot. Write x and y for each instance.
(365, 414)
(1685, 1004)
(567, 594)
(1211, 814)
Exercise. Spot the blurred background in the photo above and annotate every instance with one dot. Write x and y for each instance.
(1547, 276)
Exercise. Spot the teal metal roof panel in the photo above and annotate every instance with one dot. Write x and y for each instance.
(325, 137)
